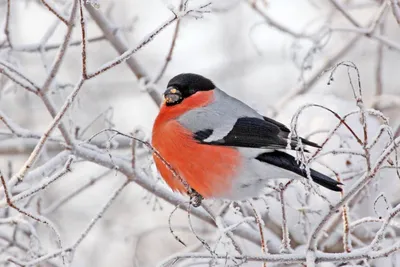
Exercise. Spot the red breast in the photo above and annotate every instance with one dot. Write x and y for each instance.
(207, 169)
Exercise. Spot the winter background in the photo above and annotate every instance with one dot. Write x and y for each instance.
(276, 56)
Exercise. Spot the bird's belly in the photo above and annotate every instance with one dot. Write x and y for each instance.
(253, 177)
(206, 168)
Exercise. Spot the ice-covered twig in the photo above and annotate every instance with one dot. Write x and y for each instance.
(42, 185)
(260, 224)
(222, 225)
(274, 24)
(61, 51)
(7, 24)
(285, 230)
(65, 199)
(395, 9)
(12, 77)
(37, 218)
(353, 190)
(379, 63)
(121, 46)
(154, 151)
(171, 48)
(32, 158)
(84, 41)
(375, 244)
(304, 86)
(54, 10)
(317, 257)
(11, 69)
(346, 224)
(71, 249)
(345, 13)
(127, 54)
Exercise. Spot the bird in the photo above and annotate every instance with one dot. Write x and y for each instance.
(221, 148)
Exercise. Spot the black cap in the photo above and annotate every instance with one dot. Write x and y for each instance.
(189, 83)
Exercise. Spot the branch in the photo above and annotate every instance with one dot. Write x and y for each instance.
(156, 189)
(61, 52)
(305, 86)
(32, 158)
(379, 63)
(355, 188)
(49, 47)
(395, 10)
(360, 254)
(52, 9)
(120, 45)
(72, 248)
(274, 24)
(345, 13)
(171, 48)
(83, 31)
(7, 26)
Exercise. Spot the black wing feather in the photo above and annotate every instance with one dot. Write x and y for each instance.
(285, 132)
(288, 162)
(255, 133)
(203, 134)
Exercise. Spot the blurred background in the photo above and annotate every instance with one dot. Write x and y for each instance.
(274, 55)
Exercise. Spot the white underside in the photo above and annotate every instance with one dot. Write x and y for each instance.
(254, 175)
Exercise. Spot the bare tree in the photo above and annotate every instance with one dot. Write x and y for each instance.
(65, 142)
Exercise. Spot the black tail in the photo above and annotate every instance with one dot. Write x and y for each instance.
(288, 162)
(325, 181)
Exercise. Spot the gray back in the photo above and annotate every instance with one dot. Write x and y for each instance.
(220, 115)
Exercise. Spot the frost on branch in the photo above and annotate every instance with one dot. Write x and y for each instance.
(78, 185)
(94, 3)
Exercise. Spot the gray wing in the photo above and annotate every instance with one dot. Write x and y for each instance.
(242, 126)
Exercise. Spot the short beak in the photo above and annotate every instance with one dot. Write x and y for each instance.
(172, 95)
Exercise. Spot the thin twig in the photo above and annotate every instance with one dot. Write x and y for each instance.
(379, 63)
(120, 45)
(127, 54)
(274, 24)
(345, 13)
(65, 199)
(10, 76)
(7, 25)
(395, 9)
(306, 85)
(44, 184)
(346, 223)
(84, 42)
(37, 218)
(61, 52)
(15, 71)
(354, 189)
(71, 249)
(100, 214)
(264, 247)
(52, 9)
(171, 48)
(285, 231)
(36, 152)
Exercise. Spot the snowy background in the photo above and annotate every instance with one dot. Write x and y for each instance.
(276, 56)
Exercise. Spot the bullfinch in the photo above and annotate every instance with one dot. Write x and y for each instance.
(219, 146)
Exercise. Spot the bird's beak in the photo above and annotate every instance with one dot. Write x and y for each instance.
(172, 96)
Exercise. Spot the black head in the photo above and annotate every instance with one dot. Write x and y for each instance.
(184, 85)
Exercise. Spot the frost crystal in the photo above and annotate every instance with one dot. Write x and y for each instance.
(93, 3)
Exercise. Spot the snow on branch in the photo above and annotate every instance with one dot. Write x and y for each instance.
(51, 164)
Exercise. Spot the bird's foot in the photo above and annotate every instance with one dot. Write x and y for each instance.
(195, 198)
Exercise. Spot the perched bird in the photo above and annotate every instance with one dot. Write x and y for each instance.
(219, 146)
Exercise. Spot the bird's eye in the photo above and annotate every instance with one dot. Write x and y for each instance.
(172, 96)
